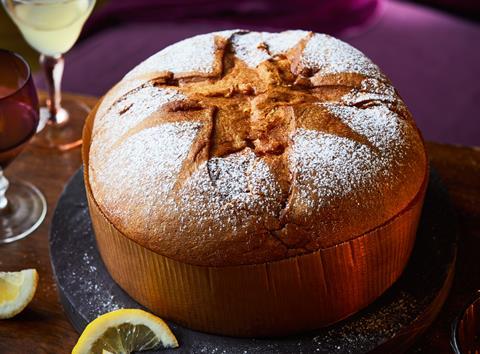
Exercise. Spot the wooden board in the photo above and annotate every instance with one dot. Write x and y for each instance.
(389, 325)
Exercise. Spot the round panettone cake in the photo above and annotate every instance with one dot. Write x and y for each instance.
(254, 184)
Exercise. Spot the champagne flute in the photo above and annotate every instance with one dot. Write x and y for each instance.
(22, 206)
(52, 27)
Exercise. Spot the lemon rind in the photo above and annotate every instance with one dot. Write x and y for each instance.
(27, 287)
(96, 328)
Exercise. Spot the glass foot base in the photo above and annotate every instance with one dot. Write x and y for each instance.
(25, 211)
(65, 135)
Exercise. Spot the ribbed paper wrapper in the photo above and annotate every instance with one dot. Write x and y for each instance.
(276, 298)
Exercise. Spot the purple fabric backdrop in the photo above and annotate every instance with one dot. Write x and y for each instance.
(433, 60)
(431, 57)
(467, 8)
(328, 16)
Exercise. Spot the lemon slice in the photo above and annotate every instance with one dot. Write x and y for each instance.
(124, 331)
(16, 291)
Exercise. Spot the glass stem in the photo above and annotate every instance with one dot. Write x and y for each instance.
(3, 189)
(53, 68)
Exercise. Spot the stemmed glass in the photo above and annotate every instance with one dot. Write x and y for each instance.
(465, 337)
(22, 206)
(52, 27)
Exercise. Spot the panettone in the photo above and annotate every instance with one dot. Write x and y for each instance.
(253, 183)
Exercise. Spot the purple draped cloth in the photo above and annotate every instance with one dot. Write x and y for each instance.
(328, 16)
(431, 57)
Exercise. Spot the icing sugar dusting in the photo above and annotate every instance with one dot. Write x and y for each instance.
(227, 33)
(116, 93)
(132, 109)
(195, 54)
(370, 90)
(383, 128)
(238, 189)
(145, 166)
(248, 46)
(327, 166)
(328, 55)
(279, 43)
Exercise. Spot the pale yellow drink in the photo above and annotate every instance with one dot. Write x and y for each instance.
(51, 27)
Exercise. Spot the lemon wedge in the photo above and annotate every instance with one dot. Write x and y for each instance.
(16, 291)
(124, 331)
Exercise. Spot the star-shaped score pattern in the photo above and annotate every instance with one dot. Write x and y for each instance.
(256, 108)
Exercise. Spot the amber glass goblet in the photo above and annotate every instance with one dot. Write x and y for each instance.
(22, 206)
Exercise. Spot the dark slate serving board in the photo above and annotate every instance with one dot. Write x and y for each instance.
(390, 324)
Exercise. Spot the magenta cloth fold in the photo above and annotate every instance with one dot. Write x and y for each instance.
(328, 16)
(466, 8)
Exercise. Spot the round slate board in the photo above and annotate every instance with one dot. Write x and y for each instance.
(389, 324)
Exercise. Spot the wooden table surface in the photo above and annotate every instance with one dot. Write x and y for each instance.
(43, 327)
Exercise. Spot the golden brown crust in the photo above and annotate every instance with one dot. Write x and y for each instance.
(266, 161)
